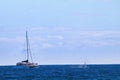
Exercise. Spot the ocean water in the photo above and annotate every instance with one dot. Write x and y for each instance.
(61, 72)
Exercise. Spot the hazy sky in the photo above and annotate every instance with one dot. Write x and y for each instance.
(60, 31)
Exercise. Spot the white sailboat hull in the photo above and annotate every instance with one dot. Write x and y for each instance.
(28, 64)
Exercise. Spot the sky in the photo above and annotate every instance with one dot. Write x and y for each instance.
(60, 31)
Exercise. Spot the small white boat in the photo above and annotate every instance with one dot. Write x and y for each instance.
(27, 62)
(84, 66)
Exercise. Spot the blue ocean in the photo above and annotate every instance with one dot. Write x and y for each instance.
(61, 72)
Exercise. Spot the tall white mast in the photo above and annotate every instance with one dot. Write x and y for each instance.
(29, 55)
(27, 46)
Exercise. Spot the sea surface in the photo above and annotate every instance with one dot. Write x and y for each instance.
(61, 72)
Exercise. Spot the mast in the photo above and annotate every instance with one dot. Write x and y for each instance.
(27, 46)
(29, 55)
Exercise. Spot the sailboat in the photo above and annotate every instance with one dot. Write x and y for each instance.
(29, 61)
(84, 66)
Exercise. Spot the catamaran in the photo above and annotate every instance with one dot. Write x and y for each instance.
(29, 61)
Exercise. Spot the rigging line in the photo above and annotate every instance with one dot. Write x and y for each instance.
(29, 55)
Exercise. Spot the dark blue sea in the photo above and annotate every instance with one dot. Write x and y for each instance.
(61, 72)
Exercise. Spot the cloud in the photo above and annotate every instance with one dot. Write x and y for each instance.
(47, 29)
(92, 38)
(57, 37)
(100, 33)
(47, 45)
(12, 40)
(100, 38)
(66, 37)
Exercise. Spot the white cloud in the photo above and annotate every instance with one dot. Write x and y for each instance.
(71, 37)
(57, 37)
(34, 29)
(12, 40)
(47, 45)
(94, 38)
(38, 29)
